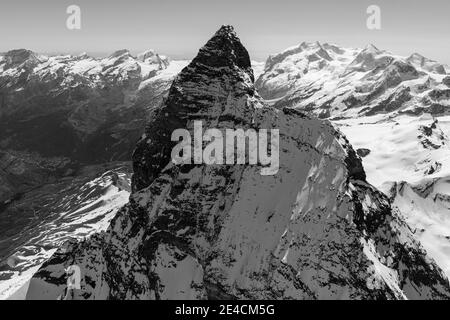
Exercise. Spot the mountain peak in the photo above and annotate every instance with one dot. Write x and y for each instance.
(226, 30)
(221, 72)
(145, 55)
(119, 53)
(311, 45)
(427, 64)
(19, 52)
(19, 56)
(372, 49)
(418, 58)
(83, 55)
(224, 49)
(416, 55)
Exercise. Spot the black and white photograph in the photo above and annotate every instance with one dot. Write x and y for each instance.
(250, 150)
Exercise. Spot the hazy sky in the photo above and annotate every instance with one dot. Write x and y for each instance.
(179, 27)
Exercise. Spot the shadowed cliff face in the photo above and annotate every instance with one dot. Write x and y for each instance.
(216, 74)
(315, 230)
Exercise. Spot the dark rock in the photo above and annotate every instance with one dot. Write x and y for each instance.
(446, 81)
(362, 152)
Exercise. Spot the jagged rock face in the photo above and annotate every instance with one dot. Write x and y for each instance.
(151, 57)
(315, 230)
(336, 83)
(91, 110)
(198, 93)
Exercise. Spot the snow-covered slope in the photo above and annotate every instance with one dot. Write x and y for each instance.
(315, 230)
(33, 227)
(409, 159)
(336, 82)
(393, 110)
(401, 148)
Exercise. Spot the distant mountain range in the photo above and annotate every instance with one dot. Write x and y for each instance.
(88, 109)
(335, 82)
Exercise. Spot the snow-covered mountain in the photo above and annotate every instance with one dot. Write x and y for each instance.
(335, 82)
(317, 229)
(57, 115)
(394, 111)
(88, 109)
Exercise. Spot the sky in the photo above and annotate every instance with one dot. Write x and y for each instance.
(178, 28)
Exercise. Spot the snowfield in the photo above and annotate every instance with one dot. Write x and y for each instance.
(413, 168)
